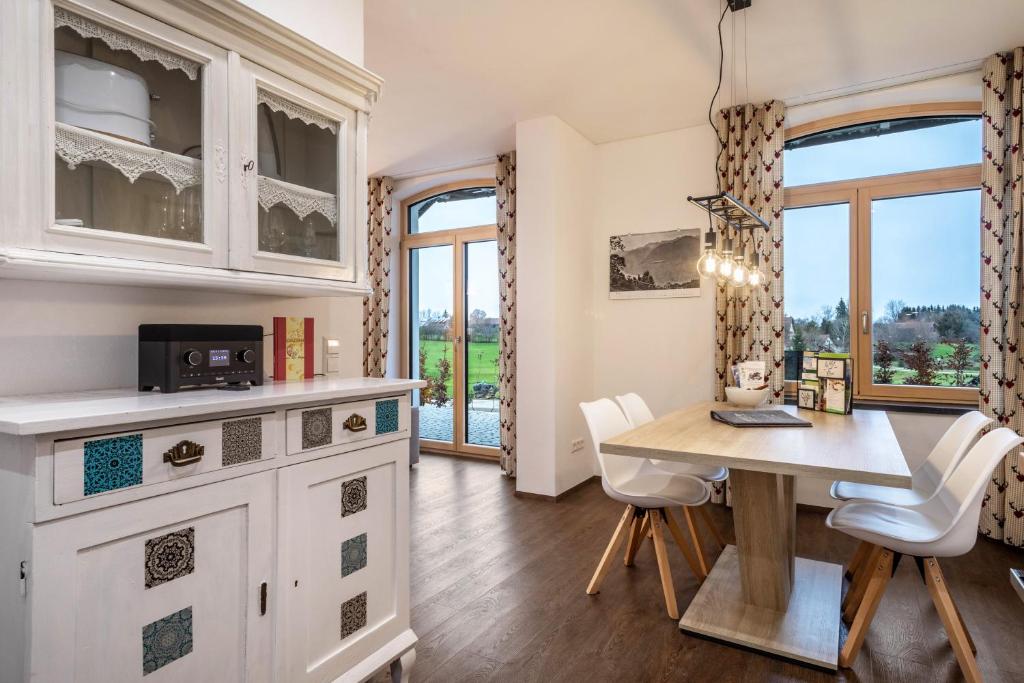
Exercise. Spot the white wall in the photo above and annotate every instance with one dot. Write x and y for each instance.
(334, 24)
(555, 210)
(659, 348)
(57, 337)
(61, 337)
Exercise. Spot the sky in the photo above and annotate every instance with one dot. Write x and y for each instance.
(435, 271)
(924, 250)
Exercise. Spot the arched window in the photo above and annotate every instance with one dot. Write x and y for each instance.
(450, 316)
(881, 249)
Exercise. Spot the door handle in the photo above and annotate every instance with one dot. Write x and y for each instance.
(263, 598)
(864, 322)
(355, 423)
(185, 453)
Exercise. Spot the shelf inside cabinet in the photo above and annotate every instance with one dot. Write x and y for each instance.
(76, 146)
(301, 200)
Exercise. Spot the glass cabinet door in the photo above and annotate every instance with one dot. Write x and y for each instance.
(298, 177)
(137, 137)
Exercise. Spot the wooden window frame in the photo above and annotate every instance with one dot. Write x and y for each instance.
(457, 238)
(858, 193)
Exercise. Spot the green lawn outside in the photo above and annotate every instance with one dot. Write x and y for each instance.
(945, 378)
(482, 361)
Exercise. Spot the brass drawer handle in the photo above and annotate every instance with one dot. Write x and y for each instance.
(355, 423)
(185, 453)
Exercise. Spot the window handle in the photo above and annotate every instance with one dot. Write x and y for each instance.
(864, 322)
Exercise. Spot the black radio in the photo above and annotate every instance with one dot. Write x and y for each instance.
(172, 357)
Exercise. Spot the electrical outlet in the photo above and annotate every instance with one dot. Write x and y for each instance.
(577, 445)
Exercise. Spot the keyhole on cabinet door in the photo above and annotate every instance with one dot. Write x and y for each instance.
(296, 583)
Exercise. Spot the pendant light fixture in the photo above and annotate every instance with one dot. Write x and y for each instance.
(724, 265)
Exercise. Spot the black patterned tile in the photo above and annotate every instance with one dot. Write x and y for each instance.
(241, 441)
(170, 556)
(353, 615)
(353, 496)
(316, 428)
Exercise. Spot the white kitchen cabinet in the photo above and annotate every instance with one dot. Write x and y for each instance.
(234, 564)
(169, 588)
(344, 561)
(298, 177)
(190, 143)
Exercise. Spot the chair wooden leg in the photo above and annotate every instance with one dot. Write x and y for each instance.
(692, 528)
(881, 573)
(703, 510)
(859, 555)
(666, 573)
(944, 605)
(684, 545)
(859, 584)
(635, 539)
(963, 625)
(613, 547)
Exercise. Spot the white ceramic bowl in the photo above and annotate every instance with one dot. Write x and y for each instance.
(746, 398)
(103, 97)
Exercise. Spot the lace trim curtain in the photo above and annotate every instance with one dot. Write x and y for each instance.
(505, 190)
(1002, 515)
(376, 306)
(749, 321)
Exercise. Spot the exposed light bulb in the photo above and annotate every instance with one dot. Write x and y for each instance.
(707, 264)
(739, 275)
(725, 267)
(756, 278)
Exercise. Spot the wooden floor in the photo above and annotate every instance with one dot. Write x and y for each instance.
(498, 595)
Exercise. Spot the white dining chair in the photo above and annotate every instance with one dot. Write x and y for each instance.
(946, 525)
(638, 413)
(648, 494)
(929, 477)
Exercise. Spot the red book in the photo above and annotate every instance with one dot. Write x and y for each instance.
(293, 348)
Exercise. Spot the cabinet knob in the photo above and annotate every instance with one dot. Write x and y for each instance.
(185, 453)
(355, 423)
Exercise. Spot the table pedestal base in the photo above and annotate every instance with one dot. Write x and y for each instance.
(808, 631)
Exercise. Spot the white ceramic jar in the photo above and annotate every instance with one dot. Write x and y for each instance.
(102, 97)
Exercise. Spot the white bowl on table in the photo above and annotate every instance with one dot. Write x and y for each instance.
(746, 398)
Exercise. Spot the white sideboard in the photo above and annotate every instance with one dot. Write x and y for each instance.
(184, 143)
(209, 535)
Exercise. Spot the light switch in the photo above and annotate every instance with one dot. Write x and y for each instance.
(332, 356)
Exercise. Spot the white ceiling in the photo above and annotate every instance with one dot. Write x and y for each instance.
(460, 73)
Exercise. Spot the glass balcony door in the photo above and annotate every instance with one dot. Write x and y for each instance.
(451, 319)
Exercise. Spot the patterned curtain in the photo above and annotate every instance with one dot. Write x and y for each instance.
(748, 321)
(1002, 516)
(505, 189)
(376, 305)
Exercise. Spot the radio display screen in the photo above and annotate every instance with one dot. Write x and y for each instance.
(219, 358)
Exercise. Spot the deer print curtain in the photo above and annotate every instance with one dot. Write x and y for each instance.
(376, 305)
(505, 189)
(749, 321)
(1002, 516)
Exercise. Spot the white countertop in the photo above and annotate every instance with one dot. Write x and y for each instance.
(47, 413)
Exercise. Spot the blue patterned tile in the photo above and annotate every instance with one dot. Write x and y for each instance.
(112, 464)
(166, 639)
(353, 554)
(387, 416)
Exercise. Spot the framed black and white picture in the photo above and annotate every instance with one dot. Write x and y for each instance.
(654, 264)
(807, 397)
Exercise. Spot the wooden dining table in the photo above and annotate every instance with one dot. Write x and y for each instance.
(759, 594)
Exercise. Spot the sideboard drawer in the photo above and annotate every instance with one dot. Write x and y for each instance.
(342, 423)
(95, 465)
